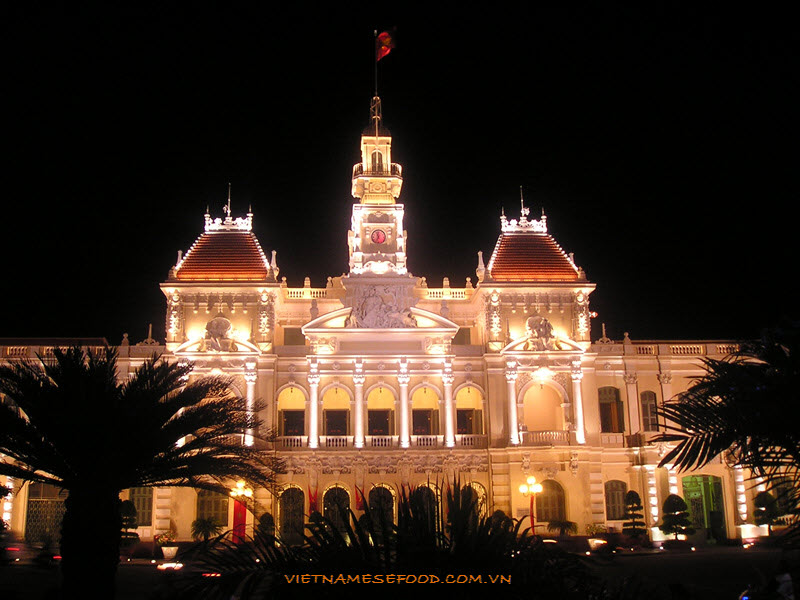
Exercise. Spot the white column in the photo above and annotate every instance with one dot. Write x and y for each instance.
(511, 386)
(405, 430)
(449, 409)
(313, 405)
(577, 397)
(250, 377)
(633, 402)
(358, 417)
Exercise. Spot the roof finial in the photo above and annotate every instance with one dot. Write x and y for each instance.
(228, 206)
(523, 212)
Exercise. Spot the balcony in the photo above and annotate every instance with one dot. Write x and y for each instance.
(381, 442)
(395, 170)
(545, 438)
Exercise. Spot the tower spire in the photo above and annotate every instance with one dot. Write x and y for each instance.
(228, 205)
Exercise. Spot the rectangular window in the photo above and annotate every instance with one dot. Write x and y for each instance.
(142, 498)
(212, 505)
(468, 421)
(649, 413)
(424, 422)
(612, 418)
(293, 422)
(379, 422)
(336, 422)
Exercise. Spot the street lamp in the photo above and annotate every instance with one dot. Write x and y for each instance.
(531, 488)
(240, 494)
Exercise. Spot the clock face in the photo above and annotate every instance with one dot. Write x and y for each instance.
(378, 236)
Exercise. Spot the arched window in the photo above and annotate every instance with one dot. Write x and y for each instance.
(550, 503)
(649, 414)
(469, 411)
(336, 411)
(212, 505)
(291, 412)
(612, 418)
(142, 498)
(377, 162)
(335, 505)
(615, 499)
(291, 505)
(381, 505)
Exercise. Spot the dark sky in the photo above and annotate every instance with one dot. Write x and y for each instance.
(656, 138)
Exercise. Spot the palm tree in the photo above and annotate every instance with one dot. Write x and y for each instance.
(205, 528)
(70, 422)
(747, 405)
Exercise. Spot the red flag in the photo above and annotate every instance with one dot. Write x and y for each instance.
(359, 499)
(384, 43)
(312, 500)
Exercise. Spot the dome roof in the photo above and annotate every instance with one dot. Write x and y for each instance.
(225, 255)
(522, 256)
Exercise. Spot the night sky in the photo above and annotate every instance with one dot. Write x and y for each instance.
(656, 138)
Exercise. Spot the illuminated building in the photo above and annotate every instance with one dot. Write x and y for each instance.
(378, 380)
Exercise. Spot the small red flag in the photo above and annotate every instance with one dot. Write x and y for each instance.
(312, 500)
(384, 43)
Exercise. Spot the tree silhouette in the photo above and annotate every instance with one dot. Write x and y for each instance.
(675, 520)
(70, 422)
(634, 525)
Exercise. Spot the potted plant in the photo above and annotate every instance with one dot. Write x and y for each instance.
(166, 541)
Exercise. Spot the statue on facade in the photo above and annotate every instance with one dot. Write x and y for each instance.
(217, 338)
(540, 336)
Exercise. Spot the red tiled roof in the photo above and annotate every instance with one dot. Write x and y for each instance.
(529, 256)
(224, 255)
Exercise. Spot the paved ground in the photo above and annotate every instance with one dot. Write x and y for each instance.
(709, 574)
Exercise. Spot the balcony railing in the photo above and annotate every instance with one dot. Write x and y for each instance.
(425, 441)
(395, 170)
(292, 441)
(335, 441)
(471, 441)
(545, 438)
(380, 441)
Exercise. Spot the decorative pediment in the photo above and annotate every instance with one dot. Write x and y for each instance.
(418, 332)
(540, 337)
(218, 340)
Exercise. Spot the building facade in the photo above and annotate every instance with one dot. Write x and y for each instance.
(379, 381)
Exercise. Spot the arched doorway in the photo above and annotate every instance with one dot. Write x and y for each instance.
(542, 410)
(292, 504)
(381, 505)
(469, 411)
(423, 503)
(380, 413)
(336, 412)
(335, 505)
(425, 411)
(703, 495)
(551, 503)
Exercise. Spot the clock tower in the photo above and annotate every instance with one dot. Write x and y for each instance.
(376, 240)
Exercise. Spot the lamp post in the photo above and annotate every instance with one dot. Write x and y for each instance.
(531, 488)
(240, 494)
